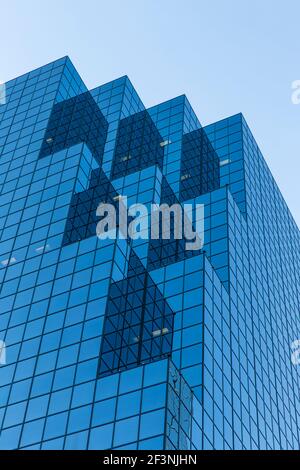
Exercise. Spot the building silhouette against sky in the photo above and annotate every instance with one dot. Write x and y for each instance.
(140, 344)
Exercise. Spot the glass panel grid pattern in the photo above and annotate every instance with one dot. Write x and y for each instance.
(140, 344)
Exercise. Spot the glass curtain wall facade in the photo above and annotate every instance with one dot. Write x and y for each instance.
(140, 344)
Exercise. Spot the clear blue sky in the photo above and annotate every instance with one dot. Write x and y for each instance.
(226, 55)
